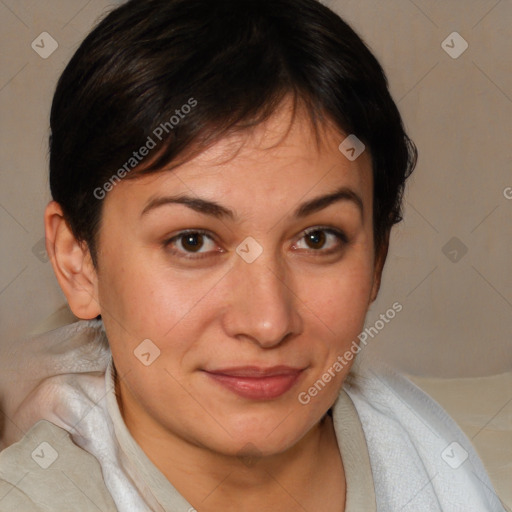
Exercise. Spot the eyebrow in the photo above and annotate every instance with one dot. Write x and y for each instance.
(214, 209)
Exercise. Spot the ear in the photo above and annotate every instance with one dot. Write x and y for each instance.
(380, 259)
(72, 264)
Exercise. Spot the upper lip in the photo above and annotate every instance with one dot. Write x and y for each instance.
(256, 371)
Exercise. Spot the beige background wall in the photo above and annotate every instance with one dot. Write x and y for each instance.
(457, 298)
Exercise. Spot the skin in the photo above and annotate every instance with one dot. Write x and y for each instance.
(298, 304)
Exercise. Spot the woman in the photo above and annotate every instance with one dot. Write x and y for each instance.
(225, 176)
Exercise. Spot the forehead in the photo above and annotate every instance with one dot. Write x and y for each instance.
(287, 137)
(278, 161)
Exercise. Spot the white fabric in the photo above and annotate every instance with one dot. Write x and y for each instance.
(482, 408)
(406, 431)
(416, 448)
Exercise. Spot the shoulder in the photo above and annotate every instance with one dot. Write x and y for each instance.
(389, 393)
(47, 471)
(414, 443)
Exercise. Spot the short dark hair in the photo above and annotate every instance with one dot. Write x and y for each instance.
(233, 61)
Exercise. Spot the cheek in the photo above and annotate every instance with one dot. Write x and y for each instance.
(141, 299)
(127, 305)
(133, 287)
(340, 300)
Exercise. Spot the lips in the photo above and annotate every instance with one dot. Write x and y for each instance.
(256, 383)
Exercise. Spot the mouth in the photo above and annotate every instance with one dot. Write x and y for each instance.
(257, 383)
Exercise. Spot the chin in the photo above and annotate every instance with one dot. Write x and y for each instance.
(265, 434)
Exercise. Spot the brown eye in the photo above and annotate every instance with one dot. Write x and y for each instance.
(315, 239)
(322, 240)
(192, 244)
(192, 241)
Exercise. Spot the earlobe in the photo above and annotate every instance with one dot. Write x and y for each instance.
(72, 264)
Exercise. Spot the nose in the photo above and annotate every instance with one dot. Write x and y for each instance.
(262, 304)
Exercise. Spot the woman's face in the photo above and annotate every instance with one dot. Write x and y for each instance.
(216, 332)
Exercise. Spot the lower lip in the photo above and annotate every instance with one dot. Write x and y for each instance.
(257, 388)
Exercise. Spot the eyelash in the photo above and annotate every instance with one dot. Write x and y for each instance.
(340, 235)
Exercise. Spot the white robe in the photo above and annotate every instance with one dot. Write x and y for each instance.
(421, 460)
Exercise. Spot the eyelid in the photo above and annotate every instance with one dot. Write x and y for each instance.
(190, 255)
(338, 233)
(328, 229)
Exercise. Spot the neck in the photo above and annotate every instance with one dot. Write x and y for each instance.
(307, 475)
